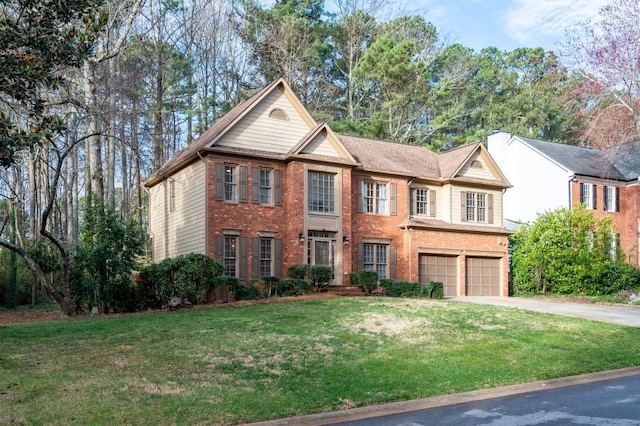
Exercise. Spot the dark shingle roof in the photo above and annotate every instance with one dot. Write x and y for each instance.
(579, 160)
(626, 157)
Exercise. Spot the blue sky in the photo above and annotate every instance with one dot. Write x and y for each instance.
(506, 24)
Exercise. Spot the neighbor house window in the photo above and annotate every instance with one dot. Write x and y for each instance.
(374, 197)
(321, 192)
(375, 258)
(477, 207)
(588, 195)
(611, 200)
(265, 186)
(230, 257)
(266, 257)
(230, 182)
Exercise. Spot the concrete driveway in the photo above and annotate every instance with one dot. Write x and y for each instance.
(616, 314)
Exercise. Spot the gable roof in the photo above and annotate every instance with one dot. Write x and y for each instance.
(219, 127)
(578, 160)
(410, 160)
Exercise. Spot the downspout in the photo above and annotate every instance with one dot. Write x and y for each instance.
(408, 229)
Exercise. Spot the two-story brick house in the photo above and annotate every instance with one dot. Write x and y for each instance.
(547, 175)
(267, 187)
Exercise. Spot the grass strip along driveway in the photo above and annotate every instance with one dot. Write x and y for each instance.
(228, 365)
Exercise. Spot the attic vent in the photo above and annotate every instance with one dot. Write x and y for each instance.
(279, 114)
(476, 164)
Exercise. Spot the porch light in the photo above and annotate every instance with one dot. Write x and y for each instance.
(345, 239)
(301, 237)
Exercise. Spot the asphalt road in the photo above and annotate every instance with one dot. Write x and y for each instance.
(614, 402)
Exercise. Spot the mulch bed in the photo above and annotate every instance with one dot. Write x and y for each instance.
(28, 315)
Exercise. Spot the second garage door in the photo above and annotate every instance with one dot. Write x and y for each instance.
(483, 276)
(440, 268)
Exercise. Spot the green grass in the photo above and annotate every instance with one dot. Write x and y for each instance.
(239, 364)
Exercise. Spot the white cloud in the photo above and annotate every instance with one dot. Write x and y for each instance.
(529, 20)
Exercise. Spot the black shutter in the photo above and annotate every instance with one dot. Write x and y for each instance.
(605, 201)
(582, 197)
(394, 209)
(392, 263)
(255, 257)
(255, 185)
(594, 194)
(244, 259)
(277, 258)
(616, 194)
(219, 182)
(277, 187)
(243, 184)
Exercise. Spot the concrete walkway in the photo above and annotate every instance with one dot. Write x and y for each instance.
(616, 314)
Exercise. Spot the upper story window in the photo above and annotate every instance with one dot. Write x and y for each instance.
(588, 195)
(374, 197)
(321, 194)
(230, 182)
(477, 207)
(611, 199)
(423, 202)
(265, 186)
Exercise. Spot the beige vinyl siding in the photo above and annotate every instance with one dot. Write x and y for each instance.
(456, 205)
(182, 230)
(258, 131)
(320, 146)
(477, 168)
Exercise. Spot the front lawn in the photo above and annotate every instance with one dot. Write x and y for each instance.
(229, 364)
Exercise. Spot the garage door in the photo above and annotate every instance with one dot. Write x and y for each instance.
(483, 276)
(440, 268)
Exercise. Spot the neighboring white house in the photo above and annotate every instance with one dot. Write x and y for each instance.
(543, 173)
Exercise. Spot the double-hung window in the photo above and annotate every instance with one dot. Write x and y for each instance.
(375, 258)
(611, 201)
(265, 186)
(374, 197)
(422, 202)
(477, 207)
(321, 196)
(230, 182)
(230, 256)
(588, 195)
(266, 257)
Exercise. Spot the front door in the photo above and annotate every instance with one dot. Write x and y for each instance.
(322, 249)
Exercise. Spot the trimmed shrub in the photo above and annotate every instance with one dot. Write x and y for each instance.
(270, 283)
(395, 288)
(189, 277)
(320, 277)
(299, 271)
(618, 277)
(434, 290)
(293, 287)
(367, 280)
